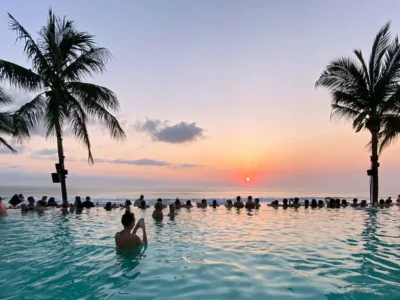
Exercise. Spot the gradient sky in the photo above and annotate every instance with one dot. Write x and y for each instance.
(242, 71)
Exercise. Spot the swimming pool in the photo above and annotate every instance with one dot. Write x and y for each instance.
(204, 254)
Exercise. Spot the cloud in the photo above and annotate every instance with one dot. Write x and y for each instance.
(45, 154)
(146, 162)
(179, 133)
(4, 150)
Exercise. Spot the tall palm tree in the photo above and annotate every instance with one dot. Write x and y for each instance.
(6, 124)
(61, 58)
(368, 95)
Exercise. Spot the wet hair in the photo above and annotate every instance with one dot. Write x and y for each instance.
(108, 205)
(249, 198)
(355, 200)
(127, 219)
(306, 203)
(256, 200)
(229, 202)
(159, 200)
(238, 198)
(204, 201)
(158, 206)
(344, 202)
(215, 203)
(381, 202)
(188, 203)
(87, 198)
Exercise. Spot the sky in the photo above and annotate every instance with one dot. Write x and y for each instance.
(212, 92)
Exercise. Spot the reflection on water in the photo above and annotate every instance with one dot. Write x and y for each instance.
(204, 254)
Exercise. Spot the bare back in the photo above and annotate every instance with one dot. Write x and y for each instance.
(125, 240)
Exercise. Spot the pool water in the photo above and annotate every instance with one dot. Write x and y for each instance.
(204, 254)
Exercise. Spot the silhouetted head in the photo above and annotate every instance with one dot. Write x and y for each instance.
(128, 203)
(215, 203)
(249, 198)
(337, 202)
(31, 199)
(355, 200)
(141, 197)
(229, 202)
(363, 202)
(158, 206)
(128, 219)
(313, 202)
(177, 202)
(257, 200)
(189, 203)
(344, 202)
(296, 200)
(307, 203)
(388, 201)
(52, 200)
(276, 202)
(320, 203)
(381, 202)
(143, 204)
(159, 200)
(108, 205)
(171, 208)
(204, 201)
(87, 198)
(238, 198)
(285, 201)
(20, 196)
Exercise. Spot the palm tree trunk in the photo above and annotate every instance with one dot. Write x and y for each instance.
(61, 157)
(374, 168)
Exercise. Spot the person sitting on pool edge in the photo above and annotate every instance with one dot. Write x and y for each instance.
(229, 204)
(249, 204)
(214, 204)
(127, 238)
(203, 204)
(238, 203)
(257, 204)
(157, 213)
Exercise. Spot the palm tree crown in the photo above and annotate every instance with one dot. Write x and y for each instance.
(6, 124)
(368, 95)
(61, 58)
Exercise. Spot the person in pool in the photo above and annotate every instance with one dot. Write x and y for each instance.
(172, 212)
(203, 204)
(31, 203)
(108, 206)
(249, 204)
(306, 203)
(363, 203)
(314, 203)
(214, 204)
(388, 202)
(157, 213)
(88, 203)
(138, 202)
(24, 208)
(127, 238)
(285, 203)
(354, 204)
(257, 203)
(295, 203)
(229, 204)
(274, 203)
(159, 200)
(144, 205)
(398, 200)
(52, 202)
(238, 203)
(321, 204)
(178, 203)
(344, 203)
(42, 202)
(3, 208)
(188, 204)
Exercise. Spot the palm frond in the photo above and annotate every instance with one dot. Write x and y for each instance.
(360, 57)
(343, 112)
(3, 142)
(31, 48)
(390, 132)
(89, 93)
(27, 117)
(6, 123)
(19, 76)
(4, 98)
(78, 120)
(379, 48)
(89, 62)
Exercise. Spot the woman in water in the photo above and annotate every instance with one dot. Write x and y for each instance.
(157, 213)
(127, 238)
(214, 204)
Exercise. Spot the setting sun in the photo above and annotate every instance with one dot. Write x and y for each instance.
(248, 179)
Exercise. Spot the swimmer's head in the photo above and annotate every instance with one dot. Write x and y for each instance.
(128, 219)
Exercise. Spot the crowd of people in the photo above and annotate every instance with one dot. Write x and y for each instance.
(128, 237)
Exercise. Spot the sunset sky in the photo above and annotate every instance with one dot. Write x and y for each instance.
(213, 92)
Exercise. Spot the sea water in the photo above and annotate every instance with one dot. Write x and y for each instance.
(207, 253)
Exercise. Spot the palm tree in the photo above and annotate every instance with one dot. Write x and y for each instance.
(61, 58)
(368, 95)
(5, 121)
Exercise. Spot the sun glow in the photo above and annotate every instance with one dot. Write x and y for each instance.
(248, 179)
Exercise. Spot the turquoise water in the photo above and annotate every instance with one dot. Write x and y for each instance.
(204, 254)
